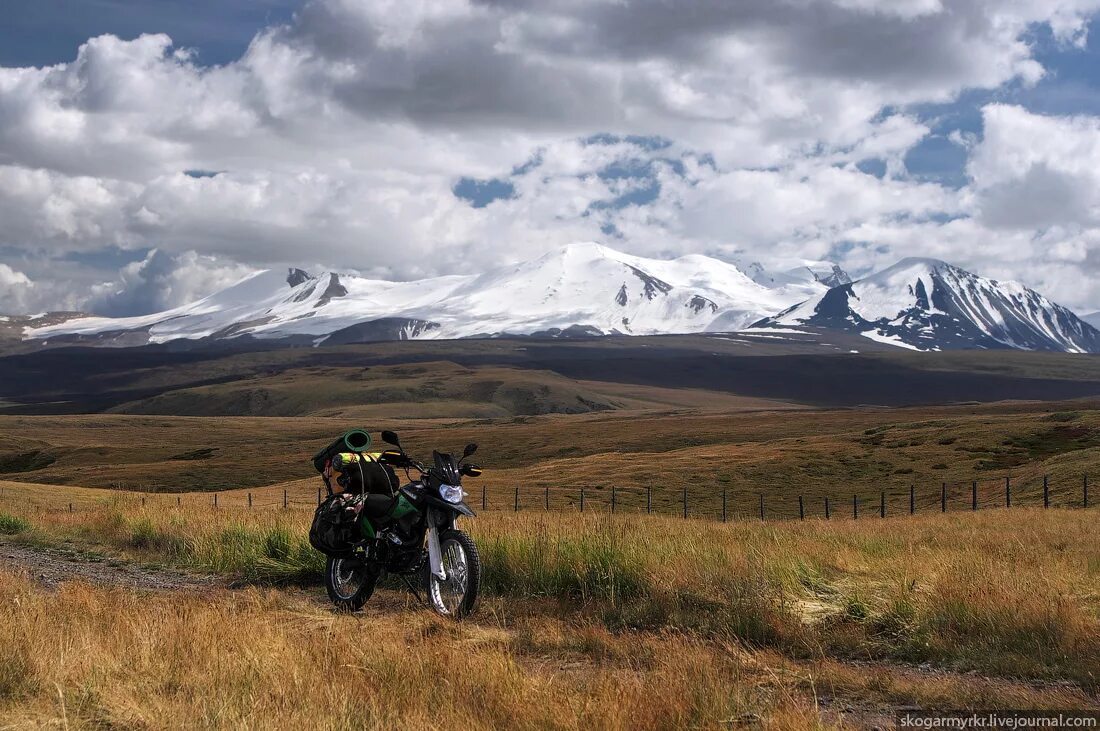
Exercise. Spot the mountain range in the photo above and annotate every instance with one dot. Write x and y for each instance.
(927, 304)
(580, 289)
(588, 290)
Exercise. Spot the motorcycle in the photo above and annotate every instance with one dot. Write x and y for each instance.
(410, 532)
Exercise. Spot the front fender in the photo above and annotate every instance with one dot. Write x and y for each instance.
(464, 509)
(440, 504)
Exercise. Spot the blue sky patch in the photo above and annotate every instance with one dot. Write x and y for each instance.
(640, 195)
(47, 32)
(480, 193)
(649, 143)
(872, 166)
(938, 159)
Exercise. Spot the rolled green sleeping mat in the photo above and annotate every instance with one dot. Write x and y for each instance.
(355, 440)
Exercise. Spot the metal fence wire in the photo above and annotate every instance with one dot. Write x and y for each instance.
(788, 504)
(724, 504)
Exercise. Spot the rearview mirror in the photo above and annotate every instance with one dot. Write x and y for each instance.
(470, 449)
(390, 437)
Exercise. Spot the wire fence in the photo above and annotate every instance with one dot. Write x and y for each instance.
(792, 504)
(814, 502)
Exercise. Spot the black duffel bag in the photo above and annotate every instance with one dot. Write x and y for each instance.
(335, 529)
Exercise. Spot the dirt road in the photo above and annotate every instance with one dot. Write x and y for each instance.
(52, 566)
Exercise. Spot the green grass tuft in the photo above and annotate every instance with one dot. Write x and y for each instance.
(258, 553)
(591, 566)
(11, 524)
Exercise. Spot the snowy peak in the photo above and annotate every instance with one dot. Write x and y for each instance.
(808, 272)
(588, 289)
(833, 277)
(295, 277)
(580, 289)
(928, 304)
(600, 290)
(319, 291)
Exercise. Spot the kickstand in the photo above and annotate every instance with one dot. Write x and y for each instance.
(412, 588)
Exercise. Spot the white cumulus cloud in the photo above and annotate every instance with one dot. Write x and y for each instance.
(336, 139)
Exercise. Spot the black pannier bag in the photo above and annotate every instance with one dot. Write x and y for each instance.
(335, 529)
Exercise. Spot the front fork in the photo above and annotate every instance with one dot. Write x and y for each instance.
(435, 557)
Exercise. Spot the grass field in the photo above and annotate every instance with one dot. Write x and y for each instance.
(745, 453)
(593, 621)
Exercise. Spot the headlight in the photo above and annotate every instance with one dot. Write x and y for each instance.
(451, 493)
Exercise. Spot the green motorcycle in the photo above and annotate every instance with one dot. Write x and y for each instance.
(371, 527)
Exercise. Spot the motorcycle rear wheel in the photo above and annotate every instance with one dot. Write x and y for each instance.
(349, 583)
(456, 596)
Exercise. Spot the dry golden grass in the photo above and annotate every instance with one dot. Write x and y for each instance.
(592, 620)
(588, 621)
(781, 455)
(93, 658)
(1010, 593)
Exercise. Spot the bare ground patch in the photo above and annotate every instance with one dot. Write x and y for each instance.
(53, 566)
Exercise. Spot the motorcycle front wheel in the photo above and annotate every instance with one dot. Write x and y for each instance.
(349, 583)
(456, 596)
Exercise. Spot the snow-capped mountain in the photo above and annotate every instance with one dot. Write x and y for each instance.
(926, 304)
(577, 289)
(825, 273)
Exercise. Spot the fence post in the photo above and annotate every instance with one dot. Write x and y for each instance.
(685, 503)
(882, 504)
(612, 499)
(1085, 485)
(826, 507)
(483, 501)
(723, 506)
(761, 506)
(284, 499)
(582, 498)
(974, 495)
(801, 509)
(855, 507)
(70, 507)
(177, 501)
(250, 501)
(649, 499)
(1008, 492)
(318, 495)
(143, 501)
(215, 500)
(912, 500)
(546, 498)
(943, 497)
(516, 505)
(1046, 491)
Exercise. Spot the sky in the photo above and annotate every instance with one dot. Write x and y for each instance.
(151, 153)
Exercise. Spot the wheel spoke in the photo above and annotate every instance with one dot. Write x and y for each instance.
(449, 594)
(347, 579)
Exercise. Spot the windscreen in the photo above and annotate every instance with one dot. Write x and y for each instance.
(447, 468)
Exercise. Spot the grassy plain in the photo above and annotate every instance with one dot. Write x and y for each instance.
(591, 621)
(780, 454)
